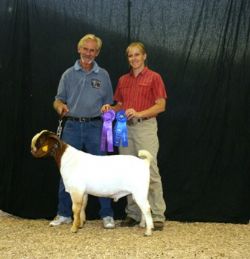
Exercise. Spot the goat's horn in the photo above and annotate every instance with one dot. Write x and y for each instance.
(35, 138)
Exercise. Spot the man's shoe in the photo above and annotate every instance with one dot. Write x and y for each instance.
(129, 222)
(108, 222)
(158, 225)
(58, 220)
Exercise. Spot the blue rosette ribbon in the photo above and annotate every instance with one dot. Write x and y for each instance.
(107, 133)
(120, 130)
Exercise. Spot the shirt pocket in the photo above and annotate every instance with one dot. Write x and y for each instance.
(144, 90)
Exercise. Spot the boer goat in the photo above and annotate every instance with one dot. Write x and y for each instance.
(111, 176)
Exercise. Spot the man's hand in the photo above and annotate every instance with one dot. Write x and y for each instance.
(61, 108)
(105, 108)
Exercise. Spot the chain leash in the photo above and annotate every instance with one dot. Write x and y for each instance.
(59, 128)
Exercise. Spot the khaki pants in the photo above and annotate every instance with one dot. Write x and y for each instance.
(143, 135)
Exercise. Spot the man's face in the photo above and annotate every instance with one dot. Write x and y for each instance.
(136, 58)
(88, 52)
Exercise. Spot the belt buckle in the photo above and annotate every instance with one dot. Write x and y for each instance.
(82, 119)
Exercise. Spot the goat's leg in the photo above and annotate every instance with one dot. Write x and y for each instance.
(77, 200)
(143, 221)
(146, 214)
(83, 214)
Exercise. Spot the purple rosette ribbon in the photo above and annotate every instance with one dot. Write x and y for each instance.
(120, 130)
(107, 133)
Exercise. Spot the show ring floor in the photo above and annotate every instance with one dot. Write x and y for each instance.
(25, 238)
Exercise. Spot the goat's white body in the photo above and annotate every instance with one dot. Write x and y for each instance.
(107, 176)
(104, 176)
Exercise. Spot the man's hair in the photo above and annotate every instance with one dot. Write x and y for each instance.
(90, 37)
(137, 44)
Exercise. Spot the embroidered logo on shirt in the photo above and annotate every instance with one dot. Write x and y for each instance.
(96, 83)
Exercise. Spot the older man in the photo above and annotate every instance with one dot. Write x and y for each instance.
(82, 91)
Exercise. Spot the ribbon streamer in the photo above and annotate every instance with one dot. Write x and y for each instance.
(120, 130)
(107, 134)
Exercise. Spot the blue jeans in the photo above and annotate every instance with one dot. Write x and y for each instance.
(84, 136)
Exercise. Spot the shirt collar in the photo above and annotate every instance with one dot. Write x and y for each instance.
(145, 69)
(95, 68)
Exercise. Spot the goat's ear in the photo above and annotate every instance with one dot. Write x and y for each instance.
(54, 136)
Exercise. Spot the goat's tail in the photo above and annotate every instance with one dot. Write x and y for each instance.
(144, 154)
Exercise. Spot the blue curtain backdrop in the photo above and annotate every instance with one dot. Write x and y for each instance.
(202, 51)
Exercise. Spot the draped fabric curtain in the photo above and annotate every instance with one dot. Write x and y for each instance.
(202, 51)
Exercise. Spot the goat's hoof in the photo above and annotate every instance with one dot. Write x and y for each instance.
(148, 233)
(74, 229)
(82, 224)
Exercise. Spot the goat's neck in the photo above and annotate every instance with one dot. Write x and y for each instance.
(58, 152)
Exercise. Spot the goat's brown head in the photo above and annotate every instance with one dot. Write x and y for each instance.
(44, 143)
